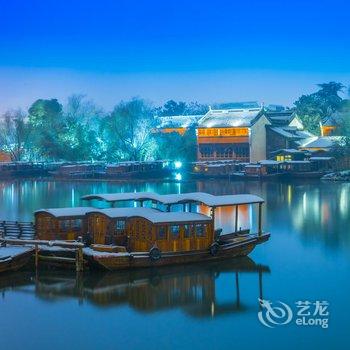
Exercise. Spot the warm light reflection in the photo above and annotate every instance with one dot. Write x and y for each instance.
(225, 217)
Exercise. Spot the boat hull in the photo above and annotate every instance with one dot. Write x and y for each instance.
(17, 261)
(228, 250)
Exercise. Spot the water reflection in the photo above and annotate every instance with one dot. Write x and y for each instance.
(192, 287)
(314, 210)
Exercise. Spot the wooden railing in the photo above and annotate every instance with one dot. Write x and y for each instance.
(77, 246)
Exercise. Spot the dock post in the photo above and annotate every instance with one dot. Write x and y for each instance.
(236, 218)
(79, 259)
(36, 256)
(260, 220)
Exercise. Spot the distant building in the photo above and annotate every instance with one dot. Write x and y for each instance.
(320, 144)
(5, 157)
(226, 134)
(244, 131)
(285, 131)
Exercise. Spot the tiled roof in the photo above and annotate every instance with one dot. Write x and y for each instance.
(229, 118)
(321, 142)
(291, 132)
(281, 117)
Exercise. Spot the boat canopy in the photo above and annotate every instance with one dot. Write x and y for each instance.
(153, 215)
(66, 212)
(169, 199)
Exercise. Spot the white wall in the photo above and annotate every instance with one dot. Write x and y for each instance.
(257, 139)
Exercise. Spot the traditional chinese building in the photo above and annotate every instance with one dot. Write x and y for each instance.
(244, 132)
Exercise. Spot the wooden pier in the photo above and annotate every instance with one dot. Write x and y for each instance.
(75, 260)
(17, 230)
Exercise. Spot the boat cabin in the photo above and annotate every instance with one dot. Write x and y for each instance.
(140, 229)
(61, 223)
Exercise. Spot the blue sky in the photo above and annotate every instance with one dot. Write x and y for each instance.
(211, 51)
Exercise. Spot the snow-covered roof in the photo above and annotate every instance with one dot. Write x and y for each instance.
(198, 197)
(153, 215)
(63, 212)
(9, 252)
(321, 142)
(297, 161)
(229, 118)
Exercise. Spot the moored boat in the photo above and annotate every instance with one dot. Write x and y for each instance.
(13, 258)
(134, 237)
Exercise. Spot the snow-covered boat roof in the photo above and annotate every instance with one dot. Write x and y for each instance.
(63, 212)
(153, 215)
(269, 162)
(321, 158)
(198, 197)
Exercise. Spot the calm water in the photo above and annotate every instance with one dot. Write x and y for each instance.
(211, 306)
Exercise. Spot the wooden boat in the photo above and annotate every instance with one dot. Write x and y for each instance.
(137, 170)
(140, 236)
(13, 258)
(125, 238)
(212, 169)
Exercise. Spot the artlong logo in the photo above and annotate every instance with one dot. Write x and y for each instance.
(271, 316)
(308, 313)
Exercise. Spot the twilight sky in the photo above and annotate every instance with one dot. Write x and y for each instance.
(211, 51)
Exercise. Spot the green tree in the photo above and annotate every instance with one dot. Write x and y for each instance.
(47, 129)
(82, 137)
(174, 146)
(128, 131)
(172, 107)
(313, 108)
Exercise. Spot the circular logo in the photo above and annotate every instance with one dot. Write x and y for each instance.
(274, 315)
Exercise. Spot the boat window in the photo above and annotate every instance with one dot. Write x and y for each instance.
(120, 226)
(175, 231)
(77, 224)
(200, 232)
(187, 231)
(161, 233)
(64, 225)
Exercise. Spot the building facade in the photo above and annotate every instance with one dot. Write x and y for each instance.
(245, 133)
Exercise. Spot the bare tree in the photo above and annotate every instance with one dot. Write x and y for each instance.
(13, 134)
